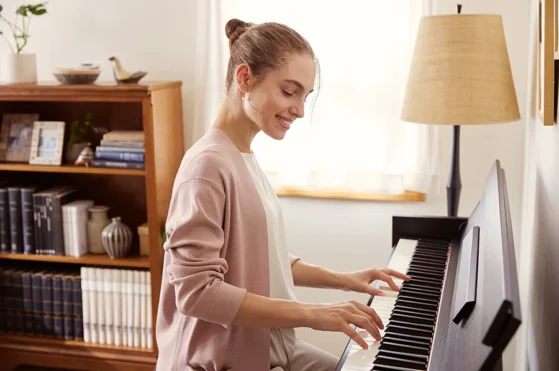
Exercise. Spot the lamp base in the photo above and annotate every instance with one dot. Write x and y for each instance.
(454, 184)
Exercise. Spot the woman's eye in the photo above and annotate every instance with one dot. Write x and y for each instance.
(286, 93)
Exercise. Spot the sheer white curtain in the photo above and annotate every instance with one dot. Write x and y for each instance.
(353, 139)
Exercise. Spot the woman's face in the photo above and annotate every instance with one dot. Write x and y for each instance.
(279, 98)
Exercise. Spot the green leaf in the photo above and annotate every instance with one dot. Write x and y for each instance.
(1, 7)
(22, 10)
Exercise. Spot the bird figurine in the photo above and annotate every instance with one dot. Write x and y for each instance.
(124, 77)
(85, 156)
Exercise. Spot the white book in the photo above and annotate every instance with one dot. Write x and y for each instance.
(143, 309)
(84, 273)
(137, 308)
(93, 306)
(66, 230)
(77, 217)
(100, 305)
(124, 309)
(148, 314)
(109, 308)
(117, 302)
(130, 307)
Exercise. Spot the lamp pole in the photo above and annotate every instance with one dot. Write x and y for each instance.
(454, 184)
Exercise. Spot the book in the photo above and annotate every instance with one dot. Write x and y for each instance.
(124, 135)
(118, 164)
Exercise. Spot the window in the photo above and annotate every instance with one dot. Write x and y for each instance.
(354, 139)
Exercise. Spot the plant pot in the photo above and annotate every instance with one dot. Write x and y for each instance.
(18, 68)
(73, 151)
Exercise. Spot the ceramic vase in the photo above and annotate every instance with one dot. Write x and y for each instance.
(117, 238)
(98, 220)
(18, 68)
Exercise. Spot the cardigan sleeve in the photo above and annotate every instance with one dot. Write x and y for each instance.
(293, 259)
(195, 239)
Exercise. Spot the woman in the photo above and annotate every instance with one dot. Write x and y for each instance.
(227, 299)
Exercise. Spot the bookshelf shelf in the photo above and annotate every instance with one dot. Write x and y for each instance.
(24, 348)
(138, 196)
(69, 169)
(98, 260)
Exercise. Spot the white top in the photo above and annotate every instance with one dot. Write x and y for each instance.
(281, 277)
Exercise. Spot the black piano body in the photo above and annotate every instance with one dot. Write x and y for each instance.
(479, 307)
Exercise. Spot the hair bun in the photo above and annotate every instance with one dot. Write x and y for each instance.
(235, 28)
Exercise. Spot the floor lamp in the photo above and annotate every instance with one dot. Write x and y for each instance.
(460, 75)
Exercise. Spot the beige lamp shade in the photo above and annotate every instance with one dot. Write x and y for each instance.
(460, 72)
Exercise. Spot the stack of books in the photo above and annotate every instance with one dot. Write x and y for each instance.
(121, 149)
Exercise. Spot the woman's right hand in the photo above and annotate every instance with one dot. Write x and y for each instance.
(339, 317)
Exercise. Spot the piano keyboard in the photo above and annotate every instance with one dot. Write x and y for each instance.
(408, 316)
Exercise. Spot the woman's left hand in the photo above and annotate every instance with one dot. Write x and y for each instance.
(360, 281)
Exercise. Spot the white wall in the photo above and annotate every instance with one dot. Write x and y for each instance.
(539, 338)
(158, 36)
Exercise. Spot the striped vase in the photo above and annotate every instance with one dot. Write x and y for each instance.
(116, 238)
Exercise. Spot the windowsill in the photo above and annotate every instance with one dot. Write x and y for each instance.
(407, 196)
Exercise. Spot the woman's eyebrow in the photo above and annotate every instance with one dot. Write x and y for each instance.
(299, 85)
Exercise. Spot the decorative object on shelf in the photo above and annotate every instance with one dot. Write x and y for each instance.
(143, 234)
(85, 156)
(480, 90)
(47, 143)
(73, 76)
(117, 238)
(15, 136)
(18, 67)
(98, 220)
(124, 77)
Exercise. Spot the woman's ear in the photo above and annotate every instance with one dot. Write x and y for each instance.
(243, 77)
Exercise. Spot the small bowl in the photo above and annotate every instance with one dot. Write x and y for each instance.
(76, 76)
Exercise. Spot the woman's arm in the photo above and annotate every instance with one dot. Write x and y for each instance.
(260, 311)
(309, 275)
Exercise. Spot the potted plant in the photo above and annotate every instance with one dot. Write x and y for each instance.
(19, 66)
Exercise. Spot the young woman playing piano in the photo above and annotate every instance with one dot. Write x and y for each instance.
(227, 296)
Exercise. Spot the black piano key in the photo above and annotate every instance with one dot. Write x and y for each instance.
(440, 260)
(431, 297)
(421, 278)
(411, 324)
(409, 332)
(382, 368)
(416, 358)
(411, 308)
(435, 243)
(403, 311)
(418, 298)
(404, 348)
(406, 365)
(416, 304)
(425, 273)
(430, 291)
(431, 251)
(427, 265)
(417, 319)
(402, 339)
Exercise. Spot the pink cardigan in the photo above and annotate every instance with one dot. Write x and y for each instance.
(216, 251)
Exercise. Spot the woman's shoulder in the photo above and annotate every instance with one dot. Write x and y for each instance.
(209, 159)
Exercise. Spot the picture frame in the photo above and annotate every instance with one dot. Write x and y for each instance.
(15, 136)
(47, 143)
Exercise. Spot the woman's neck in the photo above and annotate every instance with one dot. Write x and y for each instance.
(238, 127)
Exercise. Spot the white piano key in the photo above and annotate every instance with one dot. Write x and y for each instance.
(360, 359)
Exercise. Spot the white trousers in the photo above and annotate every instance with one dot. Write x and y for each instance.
(291, 354)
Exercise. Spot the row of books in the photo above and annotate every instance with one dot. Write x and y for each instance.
(121, 149)
(97, 305)
(45, 303)
(44, 221)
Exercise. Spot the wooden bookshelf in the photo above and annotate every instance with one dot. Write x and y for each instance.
(135, 195)
(93, 260)
(69, 169)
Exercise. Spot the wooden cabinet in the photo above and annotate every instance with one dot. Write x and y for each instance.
(137, 195)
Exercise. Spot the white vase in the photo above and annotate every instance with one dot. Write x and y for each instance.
(18, 68)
